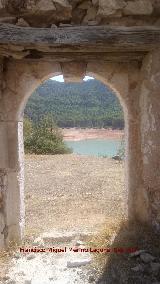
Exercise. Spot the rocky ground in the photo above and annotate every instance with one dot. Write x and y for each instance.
(78, 204)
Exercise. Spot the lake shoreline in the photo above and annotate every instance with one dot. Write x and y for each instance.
(78, 134)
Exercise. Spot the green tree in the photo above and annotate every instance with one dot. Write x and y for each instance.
(27, 127)
(87, 104)
(44, 138)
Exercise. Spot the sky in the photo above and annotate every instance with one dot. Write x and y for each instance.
(60, 78)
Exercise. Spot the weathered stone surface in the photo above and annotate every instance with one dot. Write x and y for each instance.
(150, 137)
(99, 39)
(146, 257)
(138, 7)
(64, 25)
(45, 40)
(155, 267)
(110, 7)
(85, 5)
(78, 263)
(91, 279)
(1, 200)
(2, 182)
(22, 23)
(53, 26)
(156, 6)
(138, 268)
(95, 2)
(2, 226)
(48, 6)
(45, 5)
(157, 23)
(74, 3)
(78, 15)
(91, 15)
(30, 5)
(62, 4)
(1, 5)
(15, 5)
(43, 13)
(137, 253)
(9, 20)
(92, 23)
(73, 71)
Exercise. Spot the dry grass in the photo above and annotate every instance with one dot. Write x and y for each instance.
(71, 192)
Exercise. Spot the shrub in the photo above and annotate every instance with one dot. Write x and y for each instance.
(43, 138)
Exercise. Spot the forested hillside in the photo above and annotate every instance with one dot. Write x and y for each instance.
(86, 104)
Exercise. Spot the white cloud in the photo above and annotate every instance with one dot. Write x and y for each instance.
(60, 78)
(86, 78)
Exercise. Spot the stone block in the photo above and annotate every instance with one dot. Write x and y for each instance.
(110, 7)
(138, 7)
(73, 71)
(91, 15)
(45, 5)
(22, 23)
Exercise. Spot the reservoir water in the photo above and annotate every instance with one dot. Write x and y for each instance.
(95, 147)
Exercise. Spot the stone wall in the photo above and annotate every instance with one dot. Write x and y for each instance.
(53, 13)
(2, 164)
(150, 133)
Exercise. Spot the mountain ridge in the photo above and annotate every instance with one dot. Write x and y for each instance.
(86, 104)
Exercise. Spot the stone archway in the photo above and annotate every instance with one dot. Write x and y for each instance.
(133, 84)
(27, 77)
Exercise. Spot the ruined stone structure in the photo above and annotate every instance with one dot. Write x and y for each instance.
(115, 41)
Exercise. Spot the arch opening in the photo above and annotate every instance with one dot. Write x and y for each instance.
(103, 161)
